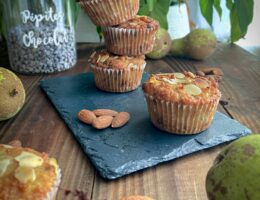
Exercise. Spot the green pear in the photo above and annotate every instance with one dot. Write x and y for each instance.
(198, 44)
(236, 171)
(162, 44)
(12, 94)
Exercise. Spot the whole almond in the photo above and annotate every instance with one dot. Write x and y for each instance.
(200, 73)
(86, 116)
(15, 143)
(120, 120)
(218, 72)
(102, 112)
(102, 122)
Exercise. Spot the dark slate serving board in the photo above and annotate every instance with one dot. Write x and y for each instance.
(138, 145)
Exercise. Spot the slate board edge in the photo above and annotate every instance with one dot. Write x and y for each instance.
(128, 167)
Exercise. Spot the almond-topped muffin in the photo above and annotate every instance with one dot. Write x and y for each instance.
(110, 12)
(26, 174)
(132, 38)
(115, 73)
(181, 103)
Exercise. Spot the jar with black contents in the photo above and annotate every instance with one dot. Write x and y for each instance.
(40, 35)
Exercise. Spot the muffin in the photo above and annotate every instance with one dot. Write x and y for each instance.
(27, 175)
(181, 103)
(116, 73)
(132, 38)
(110, 12)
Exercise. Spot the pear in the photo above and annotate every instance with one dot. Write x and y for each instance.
(162, 44)
(12, 94)
(198, 44)
(236, 171)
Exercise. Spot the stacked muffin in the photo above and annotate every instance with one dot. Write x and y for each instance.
(127, 37)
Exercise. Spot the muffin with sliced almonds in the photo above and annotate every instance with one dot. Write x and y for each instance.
(26, 174)
(133, 37)
(114, 73)
(181, 103)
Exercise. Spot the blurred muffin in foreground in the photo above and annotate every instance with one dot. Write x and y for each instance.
(115, 73)
(137, 197)
(181, 103)
(132, 38)
(26, 174)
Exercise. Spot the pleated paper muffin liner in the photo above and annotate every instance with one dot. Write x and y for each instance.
(110, 12)
(131, 42)
(179, 118)
(53, 192)
(118, 80)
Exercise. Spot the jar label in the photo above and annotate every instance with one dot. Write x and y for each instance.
(58, 35)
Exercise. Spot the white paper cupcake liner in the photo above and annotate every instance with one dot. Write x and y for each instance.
(117, 80)
(110, 12)
(131, 42)
(52, 194)
(179, 118)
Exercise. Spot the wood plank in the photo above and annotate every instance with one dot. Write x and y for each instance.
(39, 126)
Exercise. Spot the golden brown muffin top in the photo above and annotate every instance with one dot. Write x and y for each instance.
(185, 88)
(108, 60)
(139, 22)
(25, 174)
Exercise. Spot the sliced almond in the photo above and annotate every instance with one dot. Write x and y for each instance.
(25, 174)
(179, 75)
(183, 81)
(192, 89)
(4, 163)
(86, 116)
(201, 83)
(98, 58)
(190, 74)
(170, 81)
(27, 159)
(93, 54)
(120, 120)
(103, 58)
(102, 112)
(102, 122)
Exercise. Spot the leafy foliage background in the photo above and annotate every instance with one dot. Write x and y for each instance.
(241, 13)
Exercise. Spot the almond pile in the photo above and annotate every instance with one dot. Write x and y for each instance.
(212, 72)
(104, 118)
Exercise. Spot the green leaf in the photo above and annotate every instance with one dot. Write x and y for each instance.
(218, 7)
(158, 12)
(150, 4)
(100, 33)
(206, 7)
(235, 27)
(229, 4)
(241, 15)
(245, 11)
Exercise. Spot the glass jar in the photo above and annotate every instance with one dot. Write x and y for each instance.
(40, 35)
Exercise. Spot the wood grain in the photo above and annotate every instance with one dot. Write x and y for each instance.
(39, 126)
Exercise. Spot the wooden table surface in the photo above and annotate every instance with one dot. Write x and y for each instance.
(39, 126)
